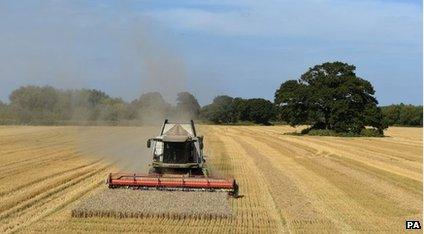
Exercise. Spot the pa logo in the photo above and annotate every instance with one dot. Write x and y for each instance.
(413, 225)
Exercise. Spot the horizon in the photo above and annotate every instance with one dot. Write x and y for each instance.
(235, 48)
(174, 102)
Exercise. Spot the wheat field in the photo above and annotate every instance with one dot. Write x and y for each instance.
(290, 183)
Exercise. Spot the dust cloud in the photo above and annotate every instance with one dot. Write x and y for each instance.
(162, 67)
(125, 147)
(73, 48)
(162, 72)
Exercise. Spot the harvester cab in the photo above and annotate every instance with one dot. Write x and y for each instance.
(177, 150)
(178, 163)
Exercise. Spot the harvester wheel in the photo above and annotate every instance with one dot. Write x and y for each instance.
(153, 170)
(205, 172)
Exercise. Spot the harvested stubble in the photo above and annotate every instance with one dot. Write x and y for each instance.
(128, 203)
(308, 184)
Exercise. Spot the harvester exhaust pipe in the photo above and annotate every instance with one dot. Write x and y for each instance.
(194, 129)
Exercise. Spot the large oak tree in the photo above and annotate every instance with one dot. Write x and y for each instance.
(330, 96)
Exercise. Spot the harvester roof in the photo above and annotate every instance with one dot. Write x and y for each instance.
(177, 133)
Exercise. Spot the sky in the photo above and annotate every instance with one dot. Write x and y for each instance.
(209, 48)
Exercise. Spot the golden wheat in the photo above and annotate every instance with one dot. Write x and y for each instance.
(289, 183)
(129, 203)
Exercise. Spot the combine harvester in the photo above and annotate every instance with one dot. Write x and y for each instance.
(178, 164)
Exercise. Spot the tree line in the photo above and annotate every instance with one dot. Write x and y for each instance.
(328, 97)
(48, 105)
(403, 115)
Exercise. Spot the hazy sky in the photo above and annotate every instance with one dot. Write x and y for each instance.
(238, 48)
